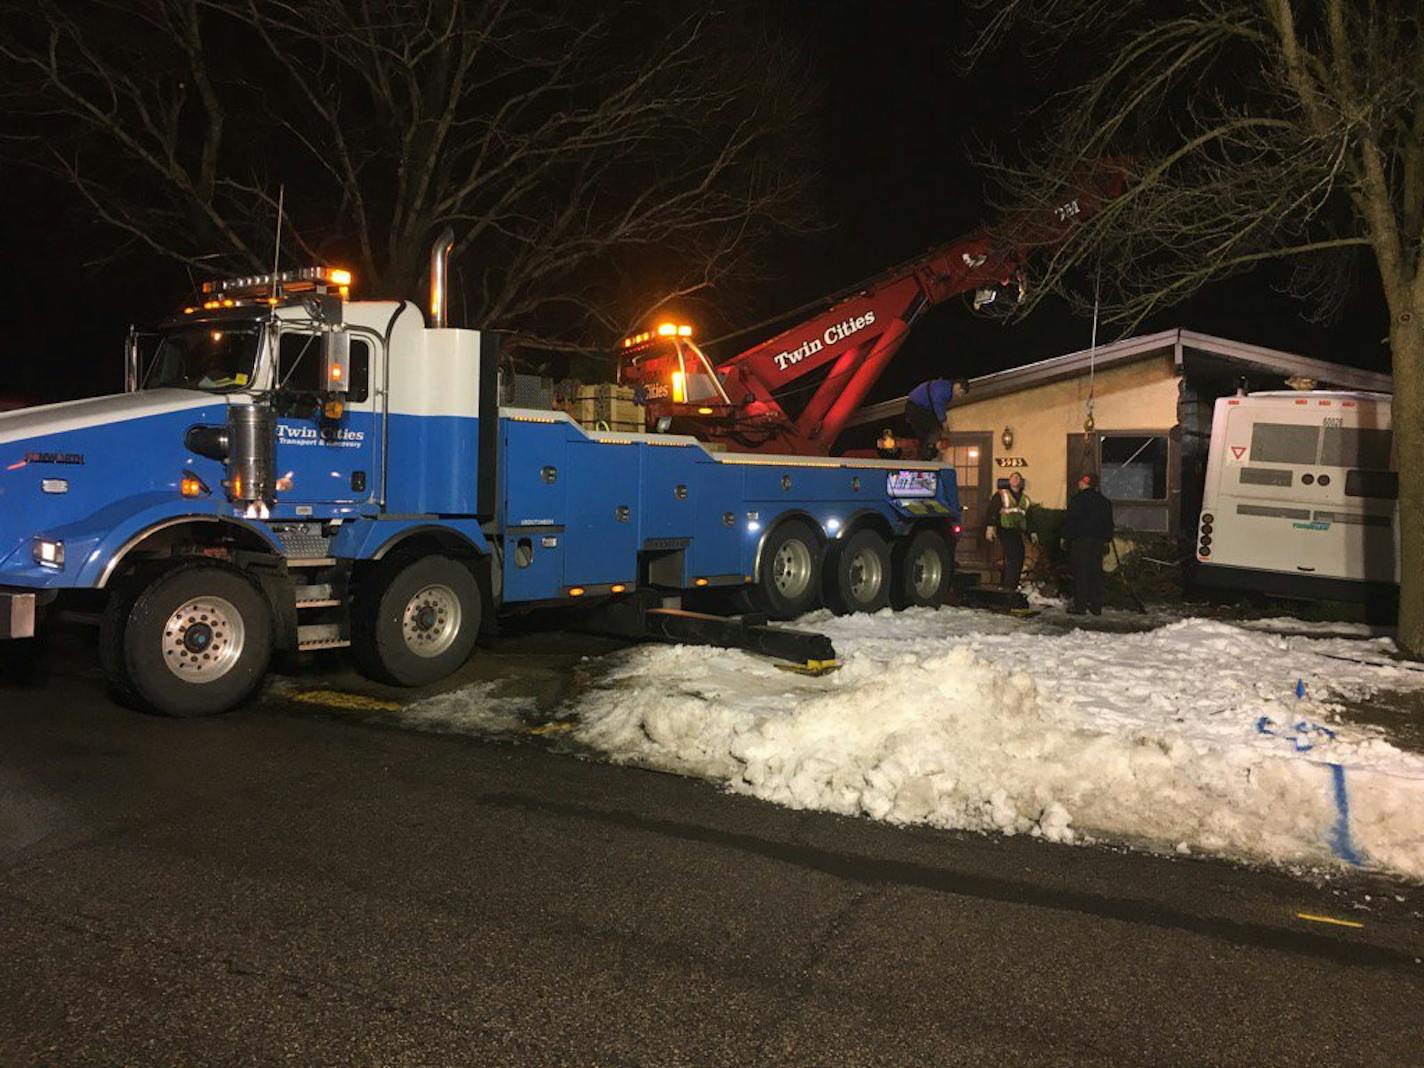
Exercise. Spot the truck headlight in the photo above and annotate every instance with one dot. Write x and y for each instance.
(48, 553)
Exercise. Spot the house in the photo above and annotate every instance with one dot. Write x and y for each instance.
(1150, 400)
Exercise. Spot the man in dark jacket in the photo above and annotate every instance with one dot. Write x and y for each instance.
(925, 410)
(1087, 528)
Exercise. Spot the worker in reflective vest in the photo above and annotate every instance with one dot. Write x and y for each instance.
(1008, 523)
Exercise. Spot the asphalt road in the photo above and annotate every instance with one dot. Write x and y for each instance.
(287, 884)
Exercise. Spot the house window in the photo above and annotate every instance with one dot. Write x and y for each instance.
(1135, 472)
(1134, 467)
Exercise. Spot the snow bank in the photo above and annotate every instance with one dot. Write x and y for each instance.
(1188, 736)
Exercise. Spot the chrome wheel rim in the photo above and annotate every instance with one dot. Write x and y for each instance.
(867, 575)
(203, 639)
(791, 569)
(926, 574)
(431, 621)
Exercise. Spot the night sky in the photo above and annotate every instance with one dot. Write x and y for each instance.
(891, 133)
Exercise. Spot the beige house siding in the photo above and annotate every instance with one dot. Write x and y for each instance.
(1136, 396)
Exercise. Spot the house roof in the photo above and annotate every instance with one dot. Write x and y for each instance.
(1191, 353)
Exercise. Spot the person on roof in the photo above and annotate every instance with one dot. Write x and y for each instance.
(925, 410)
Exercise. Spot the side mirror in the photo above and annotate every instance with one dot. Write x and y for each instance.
(336, 360)
(131, 370)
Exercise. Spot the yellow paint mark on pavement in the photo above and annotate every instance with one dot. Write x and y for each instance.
(810, 667)
(1327, 919)
(349, 702)
(557, 727)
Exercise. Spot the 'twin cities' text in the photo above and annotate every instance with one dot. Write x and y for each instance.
(832, 334)
(310, 435)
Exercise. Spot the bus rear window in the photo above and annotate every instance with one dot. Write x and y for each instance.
(1284, 443)
(1366, 447)
(1382, 485)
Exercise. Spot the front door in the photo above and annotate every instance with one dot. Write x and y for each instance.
(320, 460)
(972, 456)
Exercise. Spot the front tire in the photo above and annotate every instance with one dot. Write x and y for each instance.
(416, 620)
(861, 581)
(923, 566)
(194, 641)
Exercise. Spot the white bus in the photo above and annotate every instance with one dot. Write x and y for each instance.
(1301, 497)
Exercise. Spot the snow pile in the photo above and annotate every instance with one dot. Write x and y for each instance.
(1190, 735)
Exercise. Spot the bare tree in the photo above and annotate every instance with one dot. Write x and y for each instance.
(1248, 131)
(592, 164)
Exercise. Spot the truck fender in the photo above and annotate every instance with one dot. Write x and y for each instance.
(103, 540)
(373, 539)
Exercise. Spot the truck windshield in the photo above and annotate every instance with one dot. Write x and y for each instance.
(216, 357)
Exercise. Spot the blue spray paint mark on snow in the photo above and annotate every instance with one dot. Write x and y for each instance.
(1300, 737)
(1340, 842)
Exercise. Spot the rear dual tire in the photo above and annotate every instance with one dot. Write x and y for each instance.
(863, 573)
(860, 578)
(923, 568)
(788, 571)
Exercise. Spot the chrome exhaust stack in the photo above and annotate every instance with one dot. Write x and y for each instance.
(439, 283)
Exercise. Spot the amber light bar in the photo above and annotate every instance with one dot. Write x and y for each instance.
(300, 278)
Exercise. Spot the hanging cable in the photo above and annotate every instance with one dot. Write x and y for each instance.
(1088, 423)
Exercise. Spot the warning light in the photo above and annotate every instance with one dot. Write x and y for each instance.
(667, 329)
(684, 331)
(336, 372)
(251, 286)
(679, 388)
(191, 486)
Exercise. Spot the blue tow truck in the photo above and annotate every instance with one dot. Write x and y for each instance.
(290, 470)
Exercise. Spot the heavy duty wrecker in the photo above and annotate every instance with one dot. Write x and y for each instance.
(847, 339)
(290, 469)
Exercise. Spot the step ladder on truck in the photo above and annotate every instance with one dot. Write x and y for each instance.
(290, 469)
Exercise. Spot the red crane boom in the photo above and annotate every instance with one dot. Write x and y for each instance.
(855, 335)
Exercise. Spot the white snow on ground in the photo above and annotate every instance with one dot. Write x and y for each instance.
(1188, 736)
(474, 709)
